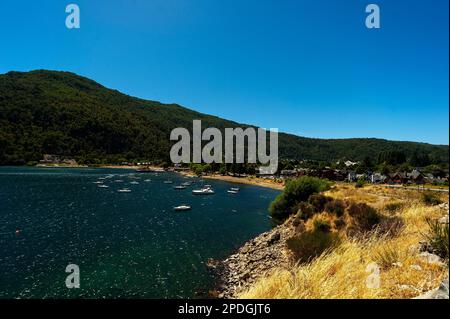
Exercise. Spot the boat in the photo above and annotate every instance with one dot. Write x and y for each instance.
(186, 184)
(236, 189)
(147, 180)
(103, 186)
(134, 183)
(179, 187)
(124, 190)
(168, 182)
(182, 208)
(203, 191)
(98, 182)
(232, 192)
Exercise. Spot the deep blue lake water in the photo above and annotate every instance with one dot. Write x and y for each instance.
(127, 245)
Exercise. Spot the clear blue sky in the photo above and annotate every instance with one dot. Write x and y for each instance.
(306, 67)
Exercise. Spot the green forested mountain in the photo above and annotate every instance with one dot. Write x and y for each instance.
(49, 112)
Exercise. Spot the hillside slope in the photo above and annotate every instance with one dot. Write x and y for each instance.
(63, 113)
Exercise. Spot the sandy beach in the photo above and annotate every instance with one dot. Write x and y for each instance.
(133, 167)
(250, 180)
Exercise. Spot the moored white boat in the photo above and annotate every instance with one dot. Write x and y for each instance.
(182, 208)
(124, 190)
(203, 191)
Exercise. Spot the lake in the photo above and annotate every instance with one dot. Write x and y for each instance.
(127, 245)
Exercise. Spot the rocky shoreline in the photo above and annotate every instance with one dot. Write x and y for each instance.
(258, 256)
(252, 261)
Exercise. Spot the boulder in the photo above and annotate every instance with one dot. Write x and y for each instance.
(430, 258)
(440, 293)
(274, 238)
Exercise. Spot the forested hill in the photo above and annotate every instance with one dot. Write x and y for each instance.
(49, 112)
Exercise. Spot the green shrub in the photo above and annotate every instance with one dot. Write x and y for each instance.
(430, 198)
(310, 245)
(364, 216)
(322, 225)
(438, 237)
(336, 207)
(360, 183)
(296, 191)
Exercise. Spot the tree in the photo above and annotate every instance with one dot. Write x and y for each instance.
(295, 191)
(391, 157)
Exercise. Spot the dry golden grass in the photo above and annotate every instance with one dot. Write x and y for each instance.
(342, 272)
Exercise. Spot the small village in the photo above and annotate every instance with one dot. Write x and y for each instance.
(347, 175)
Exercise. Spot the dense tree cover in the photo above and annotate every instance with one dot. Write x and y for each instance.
(48, 112)
(295, 191)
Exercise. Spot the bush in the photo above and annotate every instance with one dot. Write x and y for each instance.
(310, 245)
(336, 207)
(305, 211)
(296, 191)
(318, 201)
(360, 183)
(438, 237)
(390, 226)
(365, 217)
(322, 225)
(393, 207)
(430, 198)
(387, 256)
(339, 223)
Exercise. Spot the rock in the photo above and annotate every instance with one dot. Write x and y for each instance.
(416, 267)
(444, 206)
(444, 220)
(430, 258)
(212, 263)
(425, 246)
(404, 287)
(274, 238)
(440, 293)
(254, 259)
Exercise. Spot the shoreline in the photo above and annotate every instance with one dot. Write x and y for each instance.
(247, 180)
(253, 260)
(255, 181)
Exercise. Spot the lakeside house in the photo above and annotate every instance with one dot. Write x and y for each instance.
(377, 178)
(350, 163)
